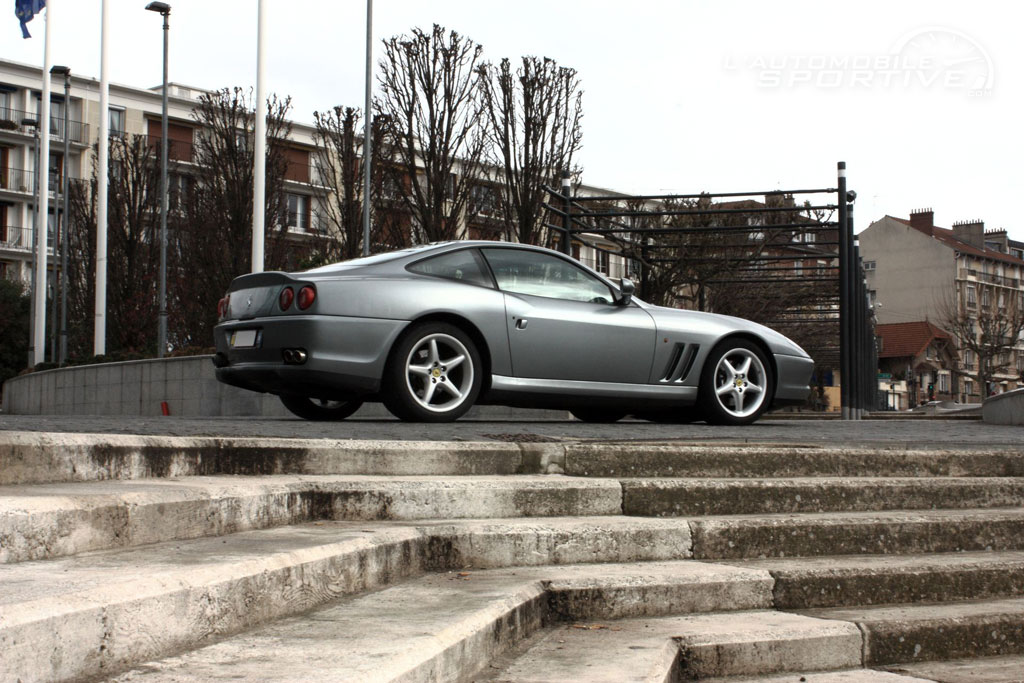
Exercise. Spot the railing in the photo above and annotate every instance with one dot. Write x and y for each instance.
(10, 119)
(17, 180)
(989, 278)
(17, 238)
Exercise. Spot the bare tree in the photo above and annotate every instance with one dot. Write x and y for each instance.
(534, 118)
(338, 155)
(214, 243)
(985, 330)
(133, 256)
(431, 103)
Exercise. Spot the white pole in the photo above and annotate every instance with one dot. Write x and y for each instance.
(42, 218)
(368, 129)
(100, 333)
(260, 143)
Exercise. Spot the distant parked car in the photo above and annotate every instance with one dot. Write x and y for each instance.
(433, 330)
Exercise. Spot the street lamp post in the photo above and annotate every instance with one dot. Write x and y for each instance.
(61, 233)
(165, 10)
(34, 125)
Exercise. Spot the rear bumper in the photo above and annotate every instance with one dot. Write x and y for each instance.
(345, 356)
(793, 380)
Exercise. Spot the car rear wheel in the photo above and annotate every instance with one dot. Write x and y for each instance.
(598, 415)
(318, 409)
(433, 375)
(736, 384)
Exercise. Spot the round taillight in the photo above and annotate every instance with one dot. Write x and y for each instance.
(286, 298)
(307, 295)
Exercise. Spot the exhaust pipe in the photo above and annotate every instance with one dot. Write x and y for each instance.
(294, 356)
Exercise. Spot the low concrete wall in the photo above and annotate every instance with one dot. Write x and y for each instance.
(1004, 409)
(188, 386)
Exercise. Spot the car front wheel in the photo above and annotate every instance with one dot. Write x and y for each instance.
(321, 410)
(433, 375)
(736, 384)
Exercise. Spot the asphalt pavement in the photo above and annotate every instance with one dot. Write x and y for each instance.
(910, 433)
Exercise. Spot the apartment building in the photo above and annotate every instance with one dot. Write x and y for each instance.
(919, 272)
(132, 111)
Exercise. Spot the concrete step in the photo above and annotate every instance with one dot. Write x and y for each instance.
(856, 533)
(51, 520)
(41, 457)
(686, 647)
(919, 633)
(738, 460)
(681, 497)
(1006, 669)
(449, 626)
(811, 582)
(845, 676)
(100, 612)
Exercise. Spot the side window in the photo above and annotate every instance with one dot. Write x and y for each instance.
(538, 274)
(462, 265)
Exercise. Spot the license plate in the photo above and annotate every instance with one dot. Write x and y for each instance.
(243, 339)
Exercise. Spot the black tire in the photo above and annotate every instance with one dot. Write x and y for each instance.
(320, 410)
(420, 382)
(736, 383)
(598, 415)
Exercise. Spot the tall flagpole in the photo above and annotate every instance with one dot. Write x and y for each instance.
(368, 129)
(100, 332)
(260, 143)
(42, 214)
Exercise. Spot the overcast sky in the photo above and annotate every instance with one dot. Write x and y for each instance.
(922, 99)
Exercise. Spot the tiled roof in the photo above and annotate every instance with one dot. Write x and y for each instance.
(907, 340)
(946, 236)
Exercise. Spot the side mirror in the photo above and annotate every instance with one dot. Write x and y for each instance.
(626, 289)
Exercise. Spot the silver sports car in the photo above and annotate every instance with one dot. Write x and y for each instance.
(431, 331)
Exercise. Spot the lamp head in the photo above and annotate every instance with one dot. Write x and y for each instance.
(161, 7)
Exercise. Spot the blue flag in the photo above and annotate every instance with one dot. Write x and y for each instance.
(25, 10)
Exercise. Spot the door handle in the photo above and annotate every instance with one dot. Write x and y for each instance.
(522, 323)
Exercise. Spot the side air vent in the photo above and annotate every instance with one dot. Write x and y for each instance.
(680, 363)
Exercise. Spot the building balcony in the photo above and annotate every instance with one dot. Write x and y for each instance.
(10, 120)
(989, 278)
(17, 180)
(19, 240)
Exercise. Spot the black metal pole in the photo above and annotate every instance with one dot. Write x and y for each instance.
(161, 342)
(858, 333)
(844, 296)
(567, 196)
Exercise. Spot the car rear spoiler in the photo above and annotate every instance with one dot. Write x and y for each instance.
(253, 280)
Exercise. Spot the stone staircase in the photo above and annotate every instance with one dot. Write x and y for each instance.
(162, 558)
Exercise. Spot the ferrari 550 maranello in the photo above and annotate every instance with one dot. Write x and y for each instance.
(433, 330)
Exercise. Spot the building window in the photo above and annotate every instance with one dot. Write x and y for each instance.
(602, 261)
(968, 387)
(869, 265)
(943, 383)
(56, 118)
(968, 358)
(972, 295)
(986, 298)
(115, 120)
(298, 212)
(6, 112)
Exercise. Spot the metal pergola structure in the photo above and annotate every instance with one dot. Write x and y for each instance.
(715, 245)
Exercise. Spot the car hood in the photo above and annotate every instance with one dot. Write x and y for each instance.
(717, 326)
